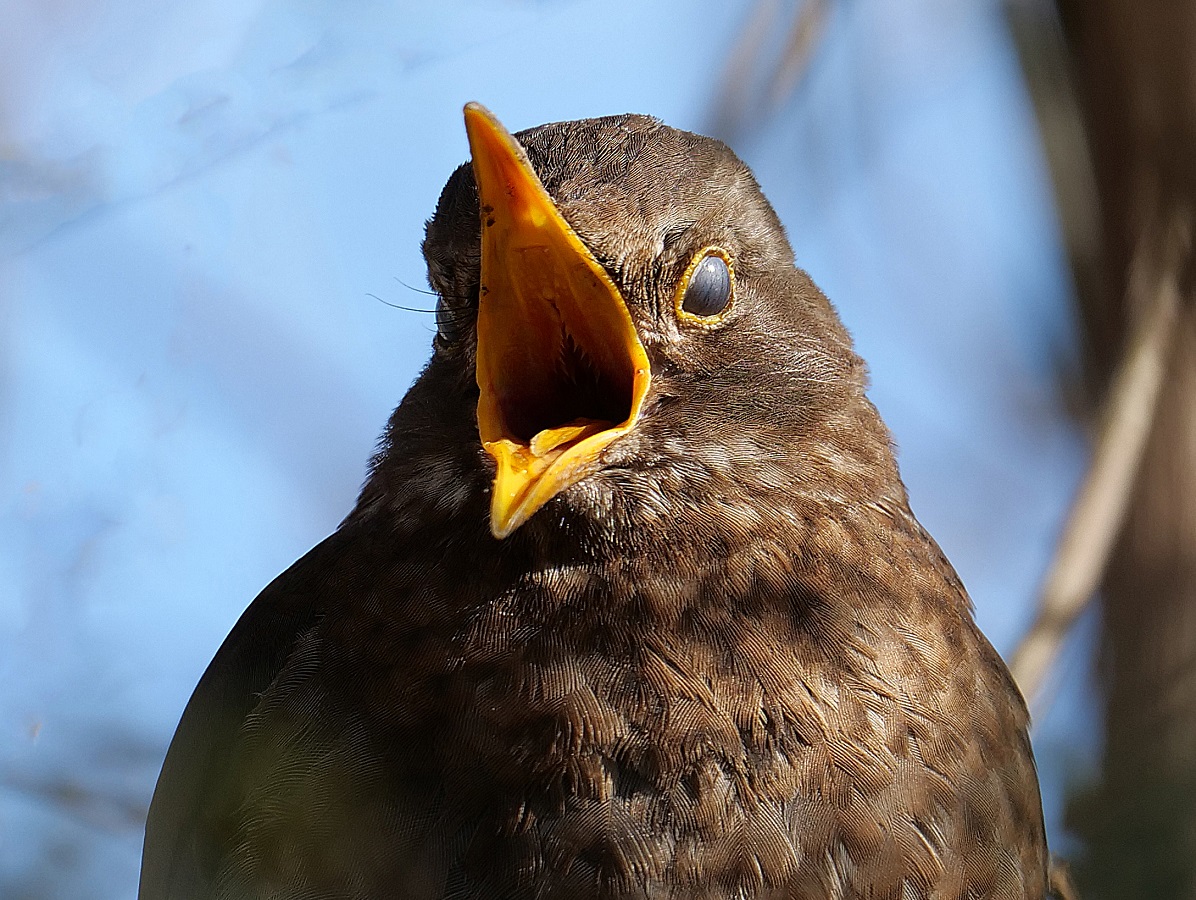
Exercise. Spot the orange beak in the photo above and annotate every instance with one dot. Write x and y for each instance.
(560, 368)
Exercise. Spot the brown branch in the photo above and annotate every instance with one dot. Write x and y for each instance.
(803, 37)
(751, 75)
(1099, 508)
(1060, 882)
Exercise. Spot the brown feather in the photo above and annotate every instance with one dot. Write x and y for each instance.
(729, 664)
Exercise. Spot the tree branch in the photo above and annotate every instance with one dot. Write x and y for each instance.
(1099, 508)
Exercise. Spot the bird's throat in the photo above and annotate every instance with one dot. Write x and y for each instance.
(560, 369)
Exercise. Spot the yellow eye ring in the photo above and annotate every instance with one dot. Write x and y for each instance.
(706, 292)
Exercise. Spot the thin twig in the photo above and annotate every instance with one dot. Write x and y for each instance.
(90, 805)
(799, 49)
(752, 75)
(1099, 508)
(1059, 880)
(739, 73)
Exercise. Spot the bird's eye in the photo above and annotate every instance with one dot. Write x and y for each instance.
(707, 288)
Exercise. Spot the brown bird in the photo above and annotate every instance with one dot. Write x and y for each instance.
(632, 603)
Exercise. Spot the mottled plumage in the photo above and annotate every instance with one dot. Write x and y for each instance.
(728, 664)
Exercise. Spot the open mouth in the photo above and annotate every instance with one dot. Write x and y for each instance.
(560, 369)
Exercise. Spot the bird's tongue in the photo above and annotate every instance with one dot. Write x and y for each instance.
(560, 369)
(550, 439)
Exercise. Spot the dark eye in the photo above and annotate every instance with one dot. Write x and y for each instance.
(709, 289)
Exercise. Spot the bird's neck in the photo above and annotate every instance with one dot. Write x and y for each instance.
(779, 517)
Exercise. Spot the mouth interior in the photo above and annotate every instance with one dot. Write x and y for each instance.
(568, 372)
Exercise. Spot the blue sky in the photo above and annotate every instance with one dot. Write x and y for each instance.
(199, 204)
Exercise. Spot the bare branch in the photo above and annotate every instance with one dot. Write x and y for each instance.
(1099, 508)
(799, 48)
(752, 72)
(1060, 881)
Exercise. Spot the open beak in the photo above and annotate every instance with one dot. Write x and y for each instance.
(560, 368)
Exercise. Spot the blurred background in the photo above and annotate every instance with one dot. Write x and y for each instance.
(210, 211)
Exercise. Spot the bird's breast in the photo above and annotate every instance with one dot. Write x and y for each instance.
(595, 735)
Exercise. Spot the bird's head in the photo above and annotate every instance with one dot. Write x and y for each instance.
(620, 305)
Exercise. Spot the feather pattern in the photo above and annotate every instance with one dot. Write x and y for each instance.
(729, 664)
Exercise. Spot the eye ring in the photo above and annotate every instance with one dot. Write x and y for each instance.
(725, 295)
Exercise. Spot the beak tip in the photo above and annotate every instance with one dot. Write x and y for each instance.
(479, 117)
(502, 529)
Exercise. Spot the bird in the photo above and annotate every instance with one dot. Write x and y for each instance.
(631, 604)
